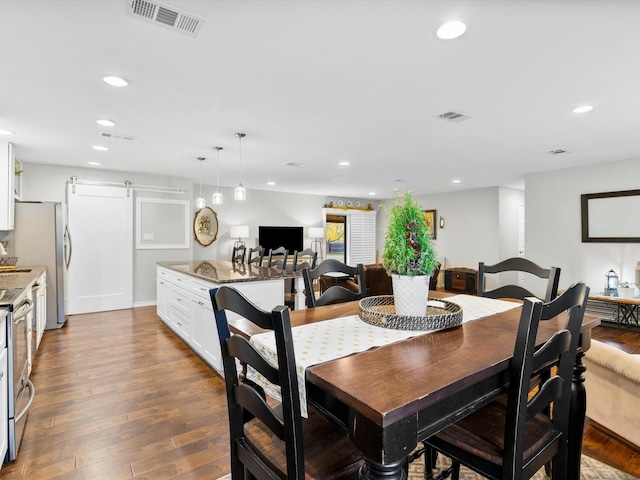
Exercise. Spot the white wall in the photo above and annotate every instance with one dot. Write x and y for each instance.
(553, 222)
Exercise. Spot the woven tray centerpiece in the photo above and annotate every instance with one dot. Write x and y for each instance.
(380, 311)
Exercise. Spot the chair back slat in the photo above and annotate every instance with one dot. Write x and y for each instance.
(256, 255)
(305, 259)
(278, 257)
(238, 254)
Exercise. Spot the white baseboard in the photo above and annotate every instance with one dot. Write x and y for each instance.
(149, 303)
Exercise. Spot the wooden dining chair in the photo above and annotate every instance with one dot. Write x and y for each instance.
(268, 440)
(238, 254)
(334, 293)
(256, 255)
(517, 264)
(278, 257)
(517, 434)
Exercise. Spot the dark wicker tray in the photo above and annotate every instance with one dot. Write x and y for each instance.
(380, 311)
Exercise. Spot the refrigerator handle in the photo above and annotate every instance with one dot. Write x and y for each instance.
(68, 244)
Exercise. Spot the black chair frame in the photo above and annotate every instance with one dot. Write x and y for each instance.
(335, 293)
(518, 264)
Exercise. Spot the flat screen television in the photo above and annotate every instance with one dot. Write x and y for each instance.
(275, 237)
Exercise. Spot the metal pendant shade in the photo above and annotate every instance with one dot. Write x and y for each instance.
(200, 201)
(217, 198)
(240, 193)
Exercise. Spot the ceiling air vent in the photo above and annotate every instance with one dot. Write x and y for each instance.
(115, 136)
(165, 15)
(295, 165)
(557, 151)
(454, 117)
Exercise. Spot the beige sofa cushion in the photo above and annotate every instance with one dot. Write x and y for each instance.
(613, 390)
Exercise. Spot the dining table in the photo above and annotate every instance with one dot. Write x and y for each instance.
(389, 398)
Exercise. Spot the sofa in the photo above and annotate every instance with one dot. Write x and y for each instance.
(378, 282)
(612, 381)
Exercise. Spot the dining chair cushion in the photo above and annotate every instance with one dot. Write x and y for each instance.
(327, 450)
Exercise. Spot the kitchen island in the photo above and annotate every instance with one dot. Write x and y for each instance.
(183, 301)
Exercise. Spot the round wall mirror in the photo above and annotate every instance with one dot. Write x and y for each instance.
(205, 226)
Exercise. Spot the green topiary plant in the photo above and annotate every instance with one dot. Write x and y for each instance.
(408, 249)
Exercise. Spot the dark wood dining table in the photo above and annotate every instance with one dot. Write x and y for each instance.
(390, 398)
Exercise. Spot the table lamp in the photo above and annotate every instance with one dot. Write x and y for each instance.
(239, 232)
(317, 233)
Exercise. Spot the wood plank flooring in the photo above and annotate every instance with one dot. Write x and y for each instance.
(119, 396)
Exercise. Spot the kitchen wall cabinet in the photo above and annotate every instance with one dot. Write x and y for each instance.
(184, 304)
(7, 185)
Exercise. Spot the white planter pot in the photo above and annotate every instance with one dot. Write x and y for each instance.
(626, 292)
(410, 294)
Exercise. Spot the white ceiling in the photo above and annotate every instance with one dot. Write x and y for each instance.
(319, 81)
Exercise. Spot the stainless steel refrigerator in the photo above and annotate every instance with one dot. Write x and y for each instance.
(38, 239)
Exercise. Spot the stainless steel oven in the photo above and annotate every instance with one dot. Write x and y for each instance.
(21, 390)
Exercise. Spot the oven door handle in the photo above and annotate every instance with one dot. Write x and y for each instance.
(32, 393)
(17, 317)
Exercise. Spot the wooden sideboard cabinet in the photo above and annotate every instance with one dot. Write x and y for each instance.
(463, 280)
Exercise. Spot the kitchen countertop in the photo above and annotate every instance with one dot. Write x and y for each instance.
(223, 271)
(18, 277)
(14, 281)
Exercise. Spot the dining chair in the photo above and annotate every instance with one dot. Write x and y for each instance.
(278, 257)
(305, 259)
(256, 255)
(270, 440)
(517, 434)
(337, 292)
(518, 264)
(238, 254)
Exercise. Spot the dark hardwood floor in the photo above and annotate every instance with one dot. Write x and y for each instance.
(119, 396)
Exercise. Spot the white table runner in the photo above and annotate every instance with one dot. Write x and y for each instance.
(323, 341)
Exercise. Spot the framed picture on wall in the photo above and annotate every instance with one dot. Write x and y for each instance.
(430, 220)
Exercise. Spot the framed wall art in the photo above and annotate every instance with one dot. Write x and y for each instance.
(430, 220)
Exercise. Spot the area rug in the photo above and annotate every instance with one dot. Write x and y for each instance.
(590, 469)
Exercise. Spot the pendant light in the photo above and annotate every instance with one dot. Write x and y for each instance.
(217, 196)
(240, 193)
(200, 202)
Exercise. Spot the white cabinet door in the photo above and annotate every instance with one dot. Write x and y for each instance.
(7, 178)
(4, 407)
(100, 274)
(211, 343)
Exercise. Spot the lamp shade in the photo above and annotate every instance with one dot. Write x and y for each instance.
(239, 231)
(316, 232)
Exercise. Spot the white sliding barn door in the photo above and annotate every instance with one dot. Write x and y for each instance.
(100, 272)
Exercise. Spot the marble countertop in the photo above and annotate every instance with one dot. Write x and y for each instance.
(19, 277)
(223, 271)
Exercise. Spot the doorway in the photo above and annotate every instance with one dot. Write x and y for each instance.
(336, 237)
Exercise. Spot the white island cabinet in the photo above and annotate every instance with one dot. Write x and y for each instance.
(184, 304)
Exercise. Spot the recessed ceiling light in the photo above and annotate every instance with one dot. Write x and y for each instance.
(372, 193)
(271, 183)
(456, 181)
(582, 109)
(6, 132)
(105, 123)
(100, 147)
(115, 81)
(451, 30)
(344, 164)
(93, 163)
